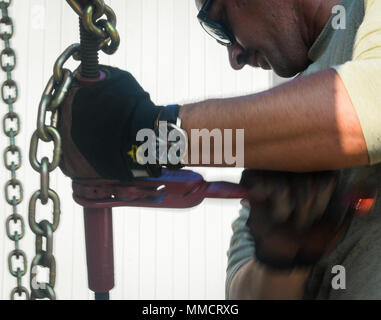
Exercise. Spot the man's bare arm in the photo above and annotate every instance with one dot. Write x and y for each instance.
(307, 124)
(255, 282)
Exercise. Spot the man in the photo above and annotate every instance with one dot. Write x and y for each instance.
(315, 45)
(326, 119)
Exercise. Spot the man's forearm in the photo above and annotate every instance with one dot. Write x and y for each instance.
(307, 124)
(255, 282)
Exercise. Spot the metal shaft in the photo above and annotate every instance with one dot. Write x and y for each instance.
(99, 249)
(102, 296)
(89, 53)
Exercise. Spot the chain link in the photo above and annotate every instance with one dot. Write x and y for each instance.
(11, 128)
(54, 94)
(104, 29)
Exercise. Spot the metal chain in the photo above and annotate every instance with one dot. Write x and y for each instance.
(11, 128)
(104, 29)
(54, 94)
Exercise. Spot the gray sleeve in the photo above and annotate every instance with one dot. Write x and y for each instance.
(241, 247)
(358, 258)
(362, 268)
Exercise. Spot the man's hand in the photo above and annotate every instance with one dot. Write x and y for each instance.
(295, 218)
(98, 124)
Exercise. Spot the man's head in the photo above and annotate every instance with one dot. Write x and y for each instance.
(271, 34)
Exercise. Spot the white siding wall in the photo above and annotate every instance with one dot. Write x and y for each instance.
(159, 254)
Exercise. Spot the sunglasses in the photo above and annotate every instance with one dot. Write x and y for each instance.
(214, 29)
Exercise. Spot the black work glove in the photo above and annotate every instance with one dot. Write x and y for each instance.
(295, 218)
(99, 123)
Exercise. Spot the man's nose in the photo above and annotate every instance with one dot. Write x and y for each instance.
(237, 56)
